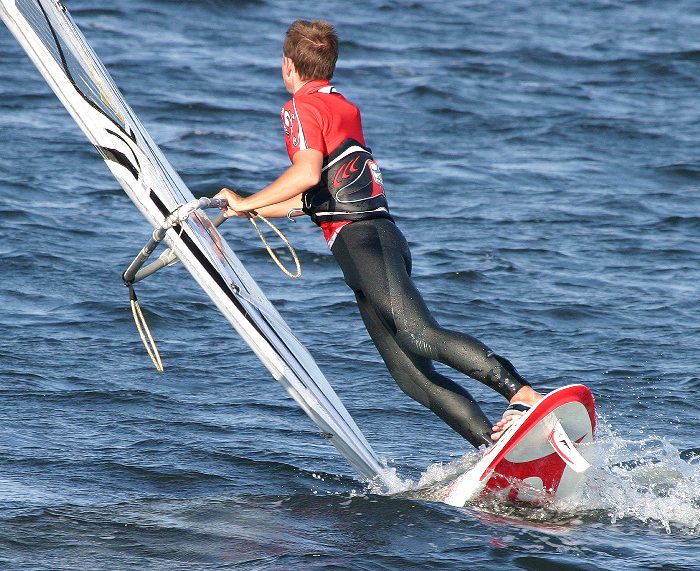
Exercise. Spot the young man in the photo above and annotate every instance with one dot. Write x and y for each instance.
(336, 181)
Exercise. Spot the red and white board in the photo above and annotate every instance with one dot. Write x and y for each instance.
(540, 456)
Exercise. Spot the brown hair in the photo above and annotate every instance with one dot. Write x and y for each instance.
(313, 47)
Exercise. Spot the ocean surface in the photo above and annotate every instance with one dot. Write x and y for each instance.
(542, 160)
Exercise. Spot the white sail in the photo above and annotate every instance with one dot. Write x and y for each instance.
(48, 34)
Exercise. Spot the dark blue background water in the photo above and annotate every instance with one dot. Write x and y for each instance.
(542, 160)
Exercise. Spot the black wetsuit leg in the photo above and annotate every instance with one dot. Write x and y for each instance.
(376, 264)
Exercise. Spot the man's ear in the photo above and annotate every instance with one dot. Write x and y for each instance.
(288, 66)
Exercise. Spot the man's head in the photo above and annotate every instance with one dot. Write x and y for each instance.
(313, 49)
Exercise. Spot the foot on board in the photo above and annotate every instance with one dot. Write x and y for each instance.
(514, 411)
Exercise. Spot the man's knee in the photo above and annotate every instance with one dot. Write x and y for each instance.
(411, 383)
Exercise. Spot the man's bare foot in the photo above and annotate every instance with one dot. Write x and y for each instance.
(526, 396)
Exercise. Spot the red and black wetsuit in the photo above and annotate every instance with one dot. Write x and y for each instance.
(351, 188)
(350, 206)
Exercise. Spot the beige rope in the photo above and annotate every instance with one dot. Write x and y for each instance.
(145, 333)
(254, 215)
(140, 320)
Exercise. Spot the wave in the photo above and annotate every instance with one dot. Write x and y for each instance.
(649, 481)
(690, 172)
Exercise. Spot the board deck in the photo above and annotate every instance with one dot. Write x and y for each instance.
(540, 456)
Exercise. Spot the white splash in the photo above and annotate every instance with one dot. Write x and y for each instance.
(647, 480)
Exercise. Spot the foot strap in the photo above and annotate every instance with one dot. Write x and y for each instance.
(566, 450)
(516, 409)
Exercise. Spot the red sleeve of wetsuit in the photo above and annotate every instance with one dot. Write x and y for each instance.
(303, 127)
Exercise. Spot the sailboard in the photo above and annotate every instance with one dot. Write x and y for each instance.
(47, 32)
(542, 456)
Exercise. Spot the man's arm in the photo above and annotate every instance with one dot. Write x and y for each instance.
(285, 192)
(281, 209)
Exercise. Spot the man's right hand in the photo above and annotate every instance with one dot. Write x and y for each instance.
(234, 206)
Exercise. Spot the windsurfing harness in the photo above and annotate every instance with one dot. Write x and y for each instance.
(351, 187)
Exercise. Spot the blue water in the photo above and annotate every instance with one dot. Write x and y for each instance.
(541, 158)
